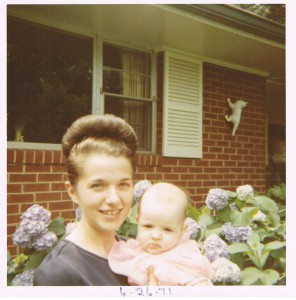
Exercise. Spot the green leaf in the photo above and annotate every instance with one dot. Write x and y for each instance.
(281, 229)
(8, 256)
(57, 226)
(269, 277)
(193, 212)
(263, 258)
(250, 275)
(264, 203)
(239, 259)
(224, 214)
(275, 245)
(205, 219)
(237, 248)
(35, 260)
(253, 238)
(205, 210)
(262, 233)
(231, 194)
(274, 219)
(239, 218)
(213, 228)
(255, 260)
(132, 230)
(133, 214)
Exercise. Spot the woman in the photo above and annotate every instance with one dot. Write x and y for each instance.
(99, 152)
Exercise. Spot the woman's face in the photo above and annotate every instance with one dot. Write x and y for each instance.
(104, 192)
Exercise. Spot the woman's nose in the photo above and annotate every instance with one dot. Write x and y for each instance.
(112, 196)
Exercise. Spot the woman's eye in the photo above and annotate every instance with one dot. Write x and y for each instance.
(125, 184)
(96, 186)
(168, 230)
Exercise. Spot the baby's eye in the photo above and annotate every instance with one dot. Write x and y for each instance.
(147, 226)
(168, 230)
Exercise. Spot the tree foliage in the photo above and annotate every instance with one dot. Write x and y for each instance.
(274, 12)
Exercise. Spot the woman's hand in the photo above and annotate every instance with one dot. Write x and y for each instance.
(152, 280)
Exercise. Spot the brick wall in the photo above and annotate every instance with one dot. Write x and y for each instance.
(38, 176)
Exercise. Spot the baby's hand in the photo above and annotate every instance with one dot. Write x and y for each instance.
(152, 280)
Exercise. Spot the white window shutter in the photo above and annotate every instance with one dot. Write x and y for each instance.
(182, 111)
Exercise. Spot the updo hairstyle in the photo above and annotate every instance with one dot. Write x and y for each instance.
(104, 134)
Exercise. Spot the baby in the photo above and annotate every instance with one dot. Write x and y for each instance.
(162, 245)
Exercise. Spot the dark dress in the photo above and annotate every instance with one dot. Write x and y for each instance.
(69, 265)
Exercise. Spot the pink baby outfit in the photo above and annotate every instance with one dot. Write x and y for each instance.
(179, 266)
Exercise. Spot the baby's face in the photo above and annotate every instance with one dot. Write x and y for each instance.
(160, 226)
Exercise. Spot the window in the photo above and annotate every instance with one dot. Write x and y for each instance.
(127, 89)
(49, 75)
(50, 84)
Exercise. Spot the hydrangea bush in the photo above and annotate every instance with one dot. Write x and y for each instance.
(37, 235)
(243, 235)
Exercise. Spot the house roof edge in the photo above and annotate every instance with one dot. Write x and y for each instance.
(238, 18)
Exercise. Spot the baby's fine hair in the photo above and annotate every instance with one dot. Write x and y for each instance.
(168, 192)
(103, 134)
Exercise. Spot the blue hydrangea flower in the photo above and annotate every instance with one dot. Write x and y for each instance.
(260, 216)
(236, 234)
(24, 279)
(34, 228)
(191, 228)
(70, 227)
(225, 271)
(22, 238)
(33, 231)
(214, 247)
(45, 241)
(37, 213)
(245, 192)
(140, 187)
(217, 199)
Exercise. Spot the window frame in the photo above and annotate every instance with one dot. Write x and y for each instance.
(97, 87)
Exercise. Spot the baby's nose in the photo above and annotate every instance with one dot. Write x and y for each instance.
(156, 235)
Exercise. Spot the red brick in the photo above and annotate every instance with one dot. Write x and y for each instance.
(11, 229)
(58, 186)
(57, 157)
(17, 198)
(58, 168)
(50, 177)
(14, 168)
(171, 176)
(20, 154)
(39, 156)
(10, 156)
(22, 178)
(13, 209)
(185, 162)
(60, 205)
(37, 168)
(69, 216)
(30, 156)
(51, 196)
(36, 187)
(48, 157)
(14, 188)
(155, 177)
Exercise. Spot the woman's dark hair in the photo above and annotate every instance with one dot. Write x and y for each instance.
(104, 134)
